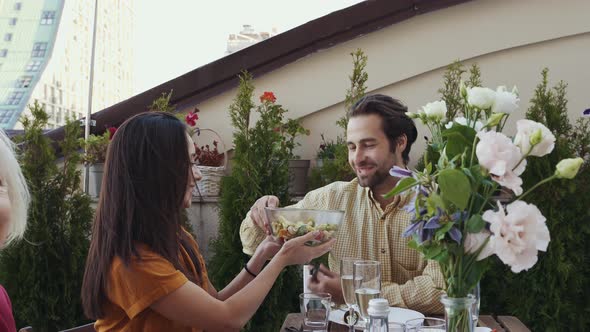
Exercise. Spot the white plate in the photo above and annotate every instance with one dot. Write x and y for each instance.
(398, 315)
(483, 329)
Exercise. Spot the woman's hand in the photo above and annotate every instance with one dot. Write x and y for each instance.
(295, 251)
(269, 248)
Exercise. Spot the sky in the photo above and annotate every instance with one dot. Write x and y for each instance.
(173, 37)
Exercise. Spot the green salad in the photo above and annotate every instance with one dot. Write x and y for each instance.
(286, 230)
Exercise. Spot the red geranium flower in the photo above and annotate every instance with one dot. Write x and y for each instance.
(268, 96)
(112, 131)
(191, 118)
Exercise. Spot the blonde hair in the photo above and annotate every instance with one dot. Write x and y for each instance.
(18, 192)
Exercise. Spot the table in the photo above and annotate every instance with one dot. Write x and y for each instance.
(499, 323)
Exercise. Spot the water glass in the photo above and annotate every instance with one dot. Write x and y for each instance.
(315, 308)
(426, 324)
(396, 327)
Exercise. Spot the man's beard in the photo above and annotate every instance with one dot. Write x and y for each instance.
(373, 180)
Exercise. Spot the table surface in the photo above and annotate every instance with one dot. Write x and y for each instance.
(498, 323)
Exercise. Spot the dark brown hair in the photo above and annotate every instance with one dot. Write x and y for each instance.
(394, 120)
(144, 183)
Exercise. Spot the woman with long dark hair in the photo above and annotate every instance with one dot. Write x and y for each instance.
(144, 272)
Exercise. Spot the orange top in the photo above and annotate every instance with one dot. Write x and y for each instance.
(133, 289)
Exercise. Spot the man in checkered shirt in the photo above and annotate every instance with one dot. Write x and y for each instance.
(379, 136)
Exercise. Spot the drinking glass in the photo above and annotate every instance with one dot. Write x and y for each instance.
(346, 279)
(426, 324)
(367, 284)
(315, 308)
(396, 327)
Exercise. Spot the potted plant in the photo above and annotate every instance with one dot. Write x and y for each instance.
(95, 148)
(209, 160)
(327, 150)
(289, 130)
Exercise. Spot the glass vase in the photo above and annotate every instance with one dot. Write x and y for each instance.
(459, 313)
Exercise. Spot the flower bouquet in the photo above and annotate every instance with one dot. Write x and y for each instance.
(457, 218)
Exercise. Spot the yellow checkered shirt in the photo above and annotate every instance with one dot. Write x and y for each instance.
(368, 232)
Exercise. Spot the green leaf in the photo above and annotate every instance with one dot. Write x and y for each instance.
(432, 251)
(434, 201)
(459, 138)
(454, 187)
(403, 185)
(442, 257)
(475, 224)
(412, 244)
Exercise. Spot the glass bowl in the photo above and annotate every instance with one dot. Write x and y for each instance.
(289, 223)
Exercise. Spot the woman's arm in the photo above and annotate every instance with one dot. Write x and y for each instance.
(265, 251)
(191, 305)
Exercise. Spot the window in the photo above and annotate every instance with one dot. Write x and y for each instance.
(47, 18)
(14, 98)
(39, 50)
(12, 21)
(24, 81)
(34, 65)
(18, 6)
(8, 37)
(3, 53)
(5, 115)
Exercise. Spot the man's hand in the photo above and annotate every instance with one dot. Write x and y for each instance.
(258, 214)
(327, 281)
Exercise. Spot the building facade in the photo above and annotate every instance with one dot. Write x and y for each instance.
(247, 37)
(48, 58)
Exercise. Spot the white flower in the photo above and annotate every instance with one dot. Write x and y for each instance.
(568, 168)
(517, 234)
(527, 129)
(463, 121)
(436, 110)
(501, 158)
(481, 97)
(505, 101)
(473, 242)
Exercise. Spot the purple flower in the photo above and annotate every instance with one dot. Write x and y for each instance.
(399, 172)
(585, 113)
(433, 223)
(413, 228)
(455, 234)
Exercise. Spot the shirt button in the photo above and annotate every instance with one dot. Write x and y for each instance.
(382, 251)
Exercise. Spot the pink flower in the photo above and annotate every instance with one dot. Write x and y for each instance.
(517, 234)
(474, 241)
(191, 118)
(502, 159)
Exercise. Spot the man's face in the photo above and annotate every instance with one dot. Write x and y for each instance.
(369, 152)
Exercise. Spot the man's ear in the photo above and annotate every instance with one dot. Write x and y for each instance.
(401, 142)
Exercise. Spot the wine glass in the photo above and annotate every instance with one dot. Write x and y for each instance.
(346, 279)
(367, 284)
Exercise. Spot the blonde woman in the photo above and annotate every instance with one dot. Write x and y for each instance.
(14, 202)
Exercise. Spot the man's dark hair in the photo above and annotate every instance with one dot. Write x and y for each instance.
(394, 120)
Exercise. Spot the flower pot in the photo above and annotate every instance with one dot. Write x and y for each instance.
(210, 184)
(95, 172)
(459, 313)
(298, 176)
